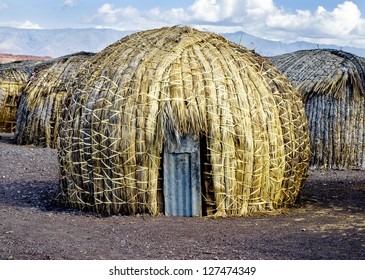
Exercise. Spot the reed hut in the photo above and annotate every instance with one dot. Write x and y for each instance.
(12, 81)
(41, 101)
(13, 78)
(185, 123)
(331, 83)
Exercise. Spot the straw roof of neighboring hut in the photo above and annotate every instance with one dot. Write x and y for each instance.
(13, 78)
(147, 90)
(41, 101)
(332, 84)
(11, 83)
(323, 71)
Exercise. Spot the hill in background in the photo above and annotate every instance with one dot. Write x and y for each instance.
(6, 57)
(59, 42)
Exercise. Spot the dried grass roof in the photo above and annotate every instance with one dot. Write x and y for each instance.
(12, 81)
(323, 71)
(152, 87)
(13, 78)
(27, 66)
(332, 85)
(41, 101)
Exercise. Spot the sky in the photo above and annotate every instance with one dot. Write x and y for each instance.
(323, 21)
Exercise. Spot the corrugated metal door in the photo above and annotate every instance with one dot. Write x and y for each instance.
(182, 183)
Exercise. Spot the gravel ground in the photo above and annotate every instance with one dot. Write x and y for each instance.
(329, 223)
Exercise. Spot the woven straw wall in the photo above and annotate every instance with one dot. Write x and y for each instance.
(41, 102)
(150, 88)
(12, 82)
(331, 83)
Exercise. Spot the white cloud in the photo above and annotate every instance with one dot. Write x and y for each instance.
(130, 18)
(262, 18)
(206, 10)
(29, 25)
(360, 29)
(339, 26)
(111, 16)
(69, 3)
(3, 6)
(341, 21)
(229, 10)
(21, 24)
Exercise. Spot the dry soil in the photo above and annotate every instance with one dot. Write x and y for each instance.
(329, 222)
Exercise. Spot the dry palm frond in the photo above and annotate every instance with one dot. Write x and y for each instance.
(147, 90)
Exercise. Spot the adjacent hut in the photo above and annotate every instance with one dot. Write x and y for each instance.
(13, 78)
(331, 83)
(185, 123)
(41, 101)
(12, 81)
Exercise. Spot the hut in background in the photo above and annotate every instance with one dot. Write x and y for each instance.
(13, 78)
(181, 122)
(331, 83)
(41, 101)
(12, 81)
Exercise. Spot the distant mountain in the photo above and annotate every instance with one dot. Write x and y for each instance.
(6, 57)
(56, 42)
(272, 48)
(59, 42)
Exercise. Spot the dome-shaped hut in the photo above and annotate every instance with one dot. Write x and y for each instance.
(181, 122)
(41, 101)
(12, 81)
(331, 83)
(13, 78)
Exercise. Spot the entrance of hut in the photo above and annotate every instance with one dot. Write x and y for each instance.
(182, 178)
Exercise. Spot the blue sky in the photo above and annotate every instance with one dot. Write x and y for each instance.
(322, 21)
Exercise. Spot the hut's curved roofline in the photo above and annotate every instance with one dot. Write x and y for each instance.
(141, 94)
(323, 71)
(41, 100)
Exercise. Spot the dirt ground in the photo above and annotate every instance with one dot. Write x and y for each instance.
(328, 224)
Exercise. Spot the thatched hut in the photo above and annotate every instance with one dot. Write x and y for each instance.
(12, 81)
(332, 84)
(181, 122)
(13, 78)
(41, 101)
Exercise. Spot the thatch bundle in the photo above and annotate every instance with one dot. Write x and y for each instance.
(13, 78)
(142, 94)
(41, 101)
(12, 81)
(332, 85)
